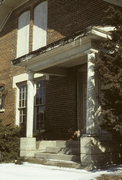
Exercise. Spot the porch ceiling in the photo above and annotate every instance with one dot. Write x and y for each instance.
(74, 62)
(6, 9)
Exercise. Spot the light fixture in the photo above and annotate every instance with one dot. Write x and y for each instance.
(2, 1)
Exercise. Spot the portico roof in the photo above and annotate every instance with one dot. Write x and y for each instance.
(66, 52)
(6, 8)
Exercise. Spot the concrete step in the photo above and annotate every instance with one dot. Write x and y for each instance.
(42, 145)
(64, 150)
(69, 143)
(67, 164)
(64, 157)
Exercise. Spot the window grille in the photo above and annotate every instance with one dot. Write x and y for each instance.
(23, 103)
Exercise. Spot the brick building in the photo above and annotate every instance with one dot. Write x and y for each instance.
(47, 82)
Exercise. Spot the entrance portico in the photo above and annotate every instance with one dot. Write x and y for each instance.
(78, 52)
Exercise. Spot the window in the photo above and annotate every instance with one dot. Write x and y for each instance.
(22, 104)
(40, 105)
(40, 26)
(39, 30)
(23, 34)
(2, 96)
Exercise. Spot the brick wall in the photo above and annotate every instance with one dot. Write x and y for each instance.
(64, 18)
(61, 101)
(70, 16)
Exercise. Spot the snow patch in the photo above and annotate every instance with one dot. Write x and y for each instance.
(29, 171)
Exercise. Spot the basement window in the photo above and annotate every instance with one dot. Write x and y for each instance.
(2, 97)
(1, 103)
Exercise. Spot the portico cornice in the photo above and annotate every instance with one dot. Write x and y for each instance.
(63, 51)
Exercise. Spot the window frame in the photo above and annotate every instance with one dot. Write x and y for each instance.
(2, 98)
(21, 107)
(26, 37)
(40, 107)
(40, 27)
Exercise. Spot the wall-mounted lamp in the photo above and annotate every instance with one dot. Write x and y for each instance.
(2, 1)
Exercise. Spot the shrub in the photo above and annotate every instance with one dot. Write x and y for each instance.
(9, 142)
(109, 68)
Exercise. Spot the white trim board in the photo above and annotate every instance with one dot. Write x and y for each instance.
(24, 77)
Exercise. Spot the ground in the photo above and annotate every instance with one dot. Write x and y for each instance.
(29, 171)
(110, 177)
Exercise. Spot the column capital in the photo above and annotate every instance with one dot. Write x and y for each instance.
(91, 51)
(30, 75)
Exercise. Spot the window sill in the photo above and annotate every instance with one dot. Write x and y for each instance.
(2, 110)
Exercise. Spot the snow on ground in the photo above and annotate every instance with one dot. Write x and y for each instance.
(29, 171)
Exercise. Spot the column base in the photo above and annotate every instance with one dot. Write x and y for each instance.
(27, 147)
(97, 153)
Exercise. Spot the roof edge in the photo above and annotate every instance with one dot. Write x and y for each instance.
(11, 9)
(115, 2)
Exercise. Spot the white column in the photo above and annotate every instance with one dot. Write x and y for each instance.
(30, 105)
(17, 106)
(91, 99)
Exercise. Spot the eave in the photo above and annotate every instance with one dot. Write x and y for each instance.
(6, 8)
(115, 2)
